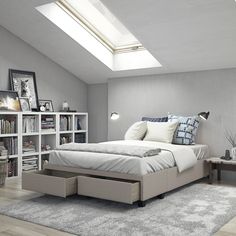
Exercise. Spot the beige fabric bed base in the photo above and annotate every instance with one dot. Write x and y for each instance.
(150, 185)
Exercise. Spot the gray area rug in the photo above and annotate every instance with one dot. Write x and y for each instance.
(198, 209)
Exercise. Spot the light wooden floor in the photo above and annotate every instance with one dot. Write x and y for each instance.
(12, 193)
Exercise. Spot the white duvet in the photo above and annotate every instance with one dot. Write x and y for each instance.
(171, 155)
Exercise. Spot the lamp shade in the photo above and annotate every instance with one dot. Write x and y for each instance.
(115, 116)
(204, 115)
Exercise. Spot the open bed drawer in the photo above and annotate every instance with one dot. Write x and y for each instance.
(108, 188)
(51, 182)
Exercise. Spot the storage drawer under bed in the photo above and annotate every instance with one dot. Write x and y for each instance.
(51, 182)
(108, 188)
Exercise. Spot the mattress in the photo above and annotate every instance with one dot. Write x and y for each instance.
(121, 163)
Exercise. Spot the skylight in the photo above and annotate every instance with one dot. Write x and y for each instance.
(95, 28)
(96, 18)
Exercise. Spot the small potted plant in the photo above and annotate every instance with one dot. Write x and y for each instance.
(232, 140)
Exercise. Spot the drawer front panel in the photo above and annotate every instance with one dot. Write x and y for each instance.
(108, 189)
(43, 183)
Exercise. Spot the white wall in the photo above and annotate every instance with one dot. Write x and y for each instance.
(53, 81)
(182, 94)
(97, 109)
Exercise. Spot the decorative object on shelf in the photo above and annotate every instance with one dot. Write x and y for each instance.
(233, 153)
(28, 147)
(65, 139)
(24, 82)
(226, 156)
(45, 147)
(25, 104)
(78, 124)
(204, 115)
(46, 105)
(115, 116)
(65, 106)
(9, 101)
(232, 140)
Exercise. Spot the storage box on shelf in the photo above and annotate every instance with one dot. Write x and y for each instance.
(29, 137)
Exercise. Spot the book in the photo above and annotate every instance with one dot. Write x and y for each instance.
(65, 123)
(29, 124)
(10, 144)
(7, 126)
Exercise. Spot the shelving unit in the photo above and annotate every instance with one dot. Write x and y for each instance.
(35, 132)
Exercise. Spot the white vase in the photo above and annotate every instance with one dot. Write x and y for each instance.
(233, 153)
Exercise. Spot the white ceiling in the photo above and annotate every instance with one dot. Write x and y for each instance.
(184, 35)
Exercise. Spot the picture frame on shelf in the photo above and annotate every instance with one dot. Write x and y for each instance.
(25, 104)
(46, 105)
(24, 82)
(9, 101)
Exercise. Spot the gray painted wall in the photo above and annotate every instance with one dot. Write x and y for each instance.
(53, 81)
(97, 109)
(183, 94)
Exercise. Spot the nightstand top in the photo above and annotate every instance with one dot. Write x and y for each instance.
(218, 160)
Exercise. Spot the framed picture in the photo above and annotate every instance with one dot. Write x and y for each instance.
(25, 105)
(46, 105)
(9, 101)
(24, 82)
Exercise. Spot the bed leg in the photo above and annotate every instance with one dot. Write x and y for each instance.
(161, 196)
(141, 203)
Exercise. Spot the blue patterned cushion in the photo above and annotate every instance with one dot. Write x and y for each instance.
(158, 119)
(186, 131)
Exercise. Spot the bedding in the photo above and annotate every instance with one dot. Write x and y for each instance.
(186, 130)
(112, 148)
(136, 131)
(125, 164)
(156, 119)
(160, 131)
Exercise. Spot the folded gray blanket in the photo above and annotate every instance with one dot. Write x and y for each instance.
(116, 149)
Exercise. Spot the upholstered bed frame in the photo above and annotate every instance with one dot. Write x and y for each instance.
(127, 188)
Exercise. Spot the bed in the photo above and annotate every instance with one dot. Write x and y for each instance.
(120, 178)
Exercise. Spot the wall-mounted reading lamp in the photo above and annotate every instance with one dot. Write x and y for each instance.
(204, 115)
(115, 116)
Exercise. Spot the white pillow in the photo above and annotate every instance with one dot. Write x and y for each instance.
(136, 131)
(160, 131)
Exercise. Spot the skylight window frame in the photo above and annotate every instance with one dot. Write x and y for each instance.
(94, 32)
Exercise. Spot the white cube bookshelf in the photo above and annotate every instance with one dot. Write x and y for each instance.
(43, 128)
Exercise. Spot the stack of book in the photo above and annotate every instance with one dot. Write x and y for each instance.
(48, 124)
(29, 163)
(10, 144)
(3, 151)
(65, 123)
(28, 147)
(7, 126)
(12, 168)
(29, 124)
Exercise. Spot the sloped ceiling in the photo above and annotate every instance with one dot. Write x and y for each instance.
(184, 35)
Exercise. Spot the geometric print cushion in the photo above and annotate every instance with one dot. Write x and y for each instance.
(186, 131)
